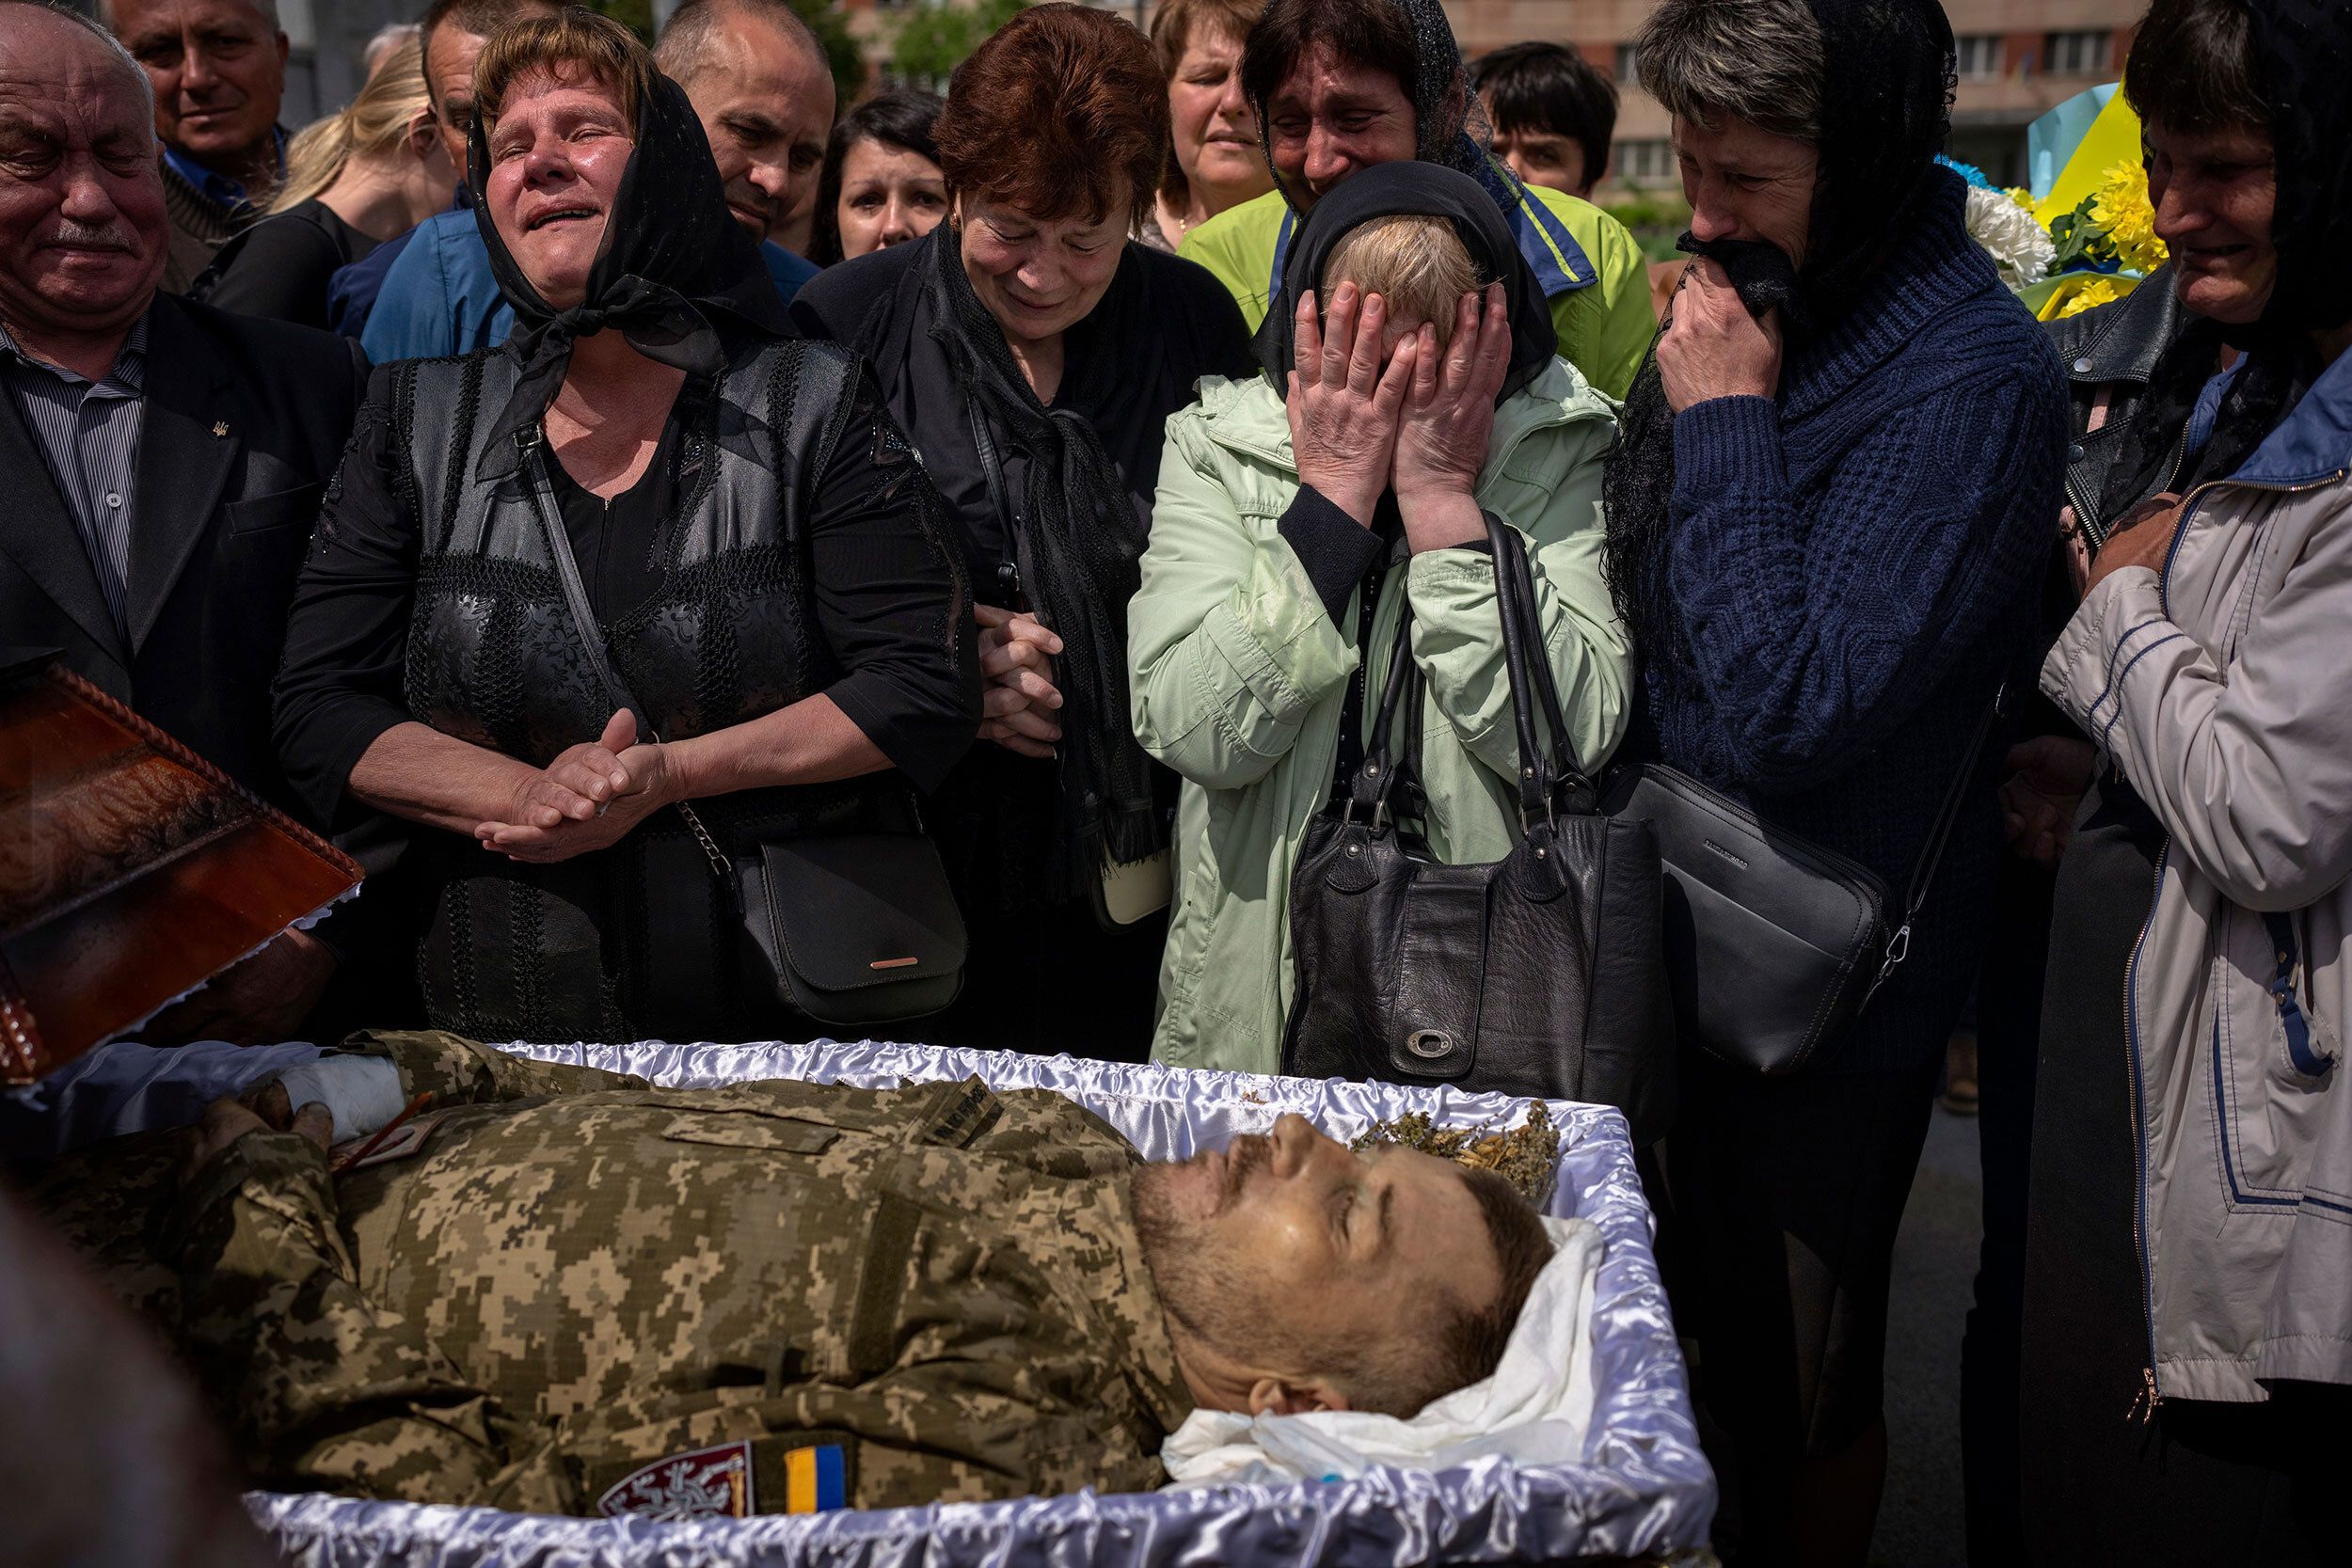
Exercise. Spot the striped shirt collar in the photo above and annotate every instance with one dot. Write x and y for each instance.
(128, 376)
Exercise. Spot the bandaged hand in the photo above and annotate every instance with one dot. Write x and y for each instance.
(226, 1121)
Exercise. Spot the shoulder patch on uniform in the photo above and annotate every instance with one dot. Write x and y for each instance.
(702, 1483)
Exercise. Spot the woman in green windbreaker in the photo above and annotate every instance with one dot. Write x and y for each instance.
(1410, 388)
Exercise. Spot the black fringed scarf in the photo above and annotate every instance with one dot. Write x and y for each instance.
(672, 257)
(1886, 92)
(2300, 50)
(1079, 544)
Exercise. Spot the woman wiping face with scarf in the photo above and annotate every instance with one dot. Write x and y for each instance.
(1299, 512)
(759, 555)
(1828, 519)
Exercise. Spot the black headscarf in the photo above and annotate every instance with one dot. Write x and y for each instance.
(1387, 190)
(2302, 49)
(1078, 543)
(1887, 76)
(1448, 126)
(672, 257)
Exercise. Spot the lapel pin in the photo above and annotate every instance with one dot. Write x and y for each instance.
(220, 427)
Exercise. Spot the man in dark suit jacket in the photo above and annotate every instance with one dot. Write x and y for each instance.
(161, 463)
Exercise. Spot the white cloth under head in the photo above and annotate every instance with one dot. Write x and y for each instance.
(1535, 1407)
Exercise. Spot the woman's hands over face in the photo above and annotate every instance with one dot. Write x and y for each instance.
(587, 798)
(1711, 347)
(1344, 410)
(1449, 422)
(1019, 699)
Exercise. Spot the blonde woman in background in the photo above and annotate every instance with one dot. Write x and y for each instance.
(354, 180)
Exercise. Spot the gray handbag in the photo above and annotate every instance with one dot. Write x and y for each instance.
(1774, 943)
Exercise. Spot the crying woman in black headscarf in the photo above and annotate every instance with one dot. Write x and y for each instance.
(1829, 512)
(655, 556)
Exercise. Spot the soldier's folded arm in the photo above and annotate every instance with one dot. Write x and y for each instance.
(459, 1071)
(322, 1387)
(912, 1436)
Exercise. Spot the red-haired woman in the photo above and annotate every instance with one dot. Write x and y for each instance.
(1033, 354)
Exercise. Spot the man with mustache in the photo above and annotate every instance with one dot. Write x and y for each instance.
(161, 462)
(218, 68)
(759, 84)
(577, 1293)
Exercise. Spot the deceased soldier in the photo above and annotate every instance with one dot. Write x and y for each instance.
(564, 1291)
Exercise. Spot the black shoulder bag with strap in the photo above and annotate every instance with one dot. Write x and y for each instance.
(1775, 943)
(851, 928)
(1540, 973)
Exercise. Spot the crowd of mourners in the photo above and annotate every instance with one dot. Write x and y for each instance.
(573, 469)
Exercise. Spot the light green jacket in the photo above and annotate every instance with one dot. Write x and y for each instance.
(1590, 270)
(1237, 673)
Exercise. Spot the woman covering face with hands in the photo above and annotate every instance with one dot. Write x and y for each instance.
(1410, 388)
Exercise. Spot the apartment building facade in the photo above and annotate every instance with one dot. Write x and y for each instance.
(2017, 59)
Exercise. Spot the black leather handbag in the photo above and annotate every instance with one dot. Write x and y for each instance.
(848, 927)
(1541, 973)
(1774, 943)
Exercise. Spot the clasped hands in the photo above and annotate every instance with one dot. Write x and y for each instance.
(1419, 426)
(587, 798)
(1019, 702)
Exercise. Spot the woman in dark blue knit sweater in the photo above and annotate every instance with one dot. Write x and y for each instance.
(1829, 515)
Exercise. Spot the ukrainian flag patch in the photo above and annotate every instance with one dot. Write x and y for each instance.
(815, 1479)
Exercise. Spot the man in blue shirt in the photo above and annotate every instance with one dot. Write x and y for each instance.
(218, 69)
(760, 84)
(454, 33)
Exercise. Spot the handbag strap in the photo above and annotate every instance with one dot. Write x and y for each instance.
(1520, 582)
(1525, 667)
(1000, 501)
(1529, 660)
(1384, 763)
(542, 487)
(1931, 853)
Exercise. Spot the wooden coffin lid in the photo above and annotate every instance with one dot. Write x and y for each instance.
(131, 870)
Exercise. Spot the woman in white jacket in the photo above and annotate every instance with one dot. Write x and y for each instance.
(2200, 1273)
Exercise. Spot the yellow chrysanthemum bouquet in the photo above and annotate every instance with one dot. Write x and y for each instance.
(2093, 206)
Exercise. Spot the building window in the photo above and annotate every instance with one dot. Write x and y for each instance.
(2078, 53)
(1646, 163)
(1980, 56)
(1628, 71)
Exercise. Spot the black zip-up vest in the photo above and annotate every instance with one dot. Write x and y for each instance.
(565, 952)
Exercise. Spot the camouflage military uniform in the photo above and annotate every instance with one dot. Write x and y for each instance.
(580, 1278)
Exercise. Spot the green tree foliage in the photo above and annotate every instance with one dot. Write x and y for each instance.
(825, 19)
(635, 15)
(937, 36)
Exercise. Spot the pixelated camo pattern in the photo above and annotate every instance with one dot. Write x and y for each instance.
(578, 1274)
